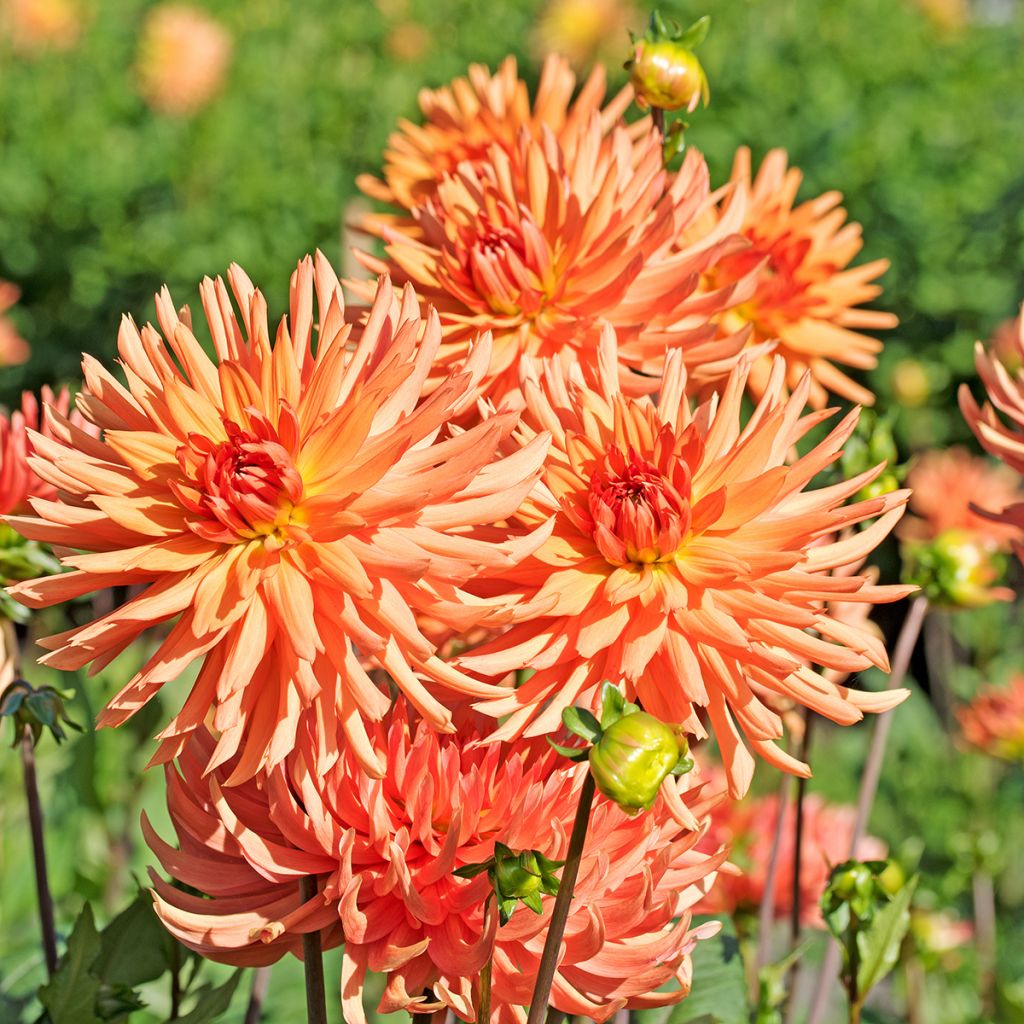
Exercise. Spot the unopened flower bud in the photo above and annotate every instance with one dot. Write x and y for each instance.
(36, 710)
(958, 569)
(664, 70)
(633, 757)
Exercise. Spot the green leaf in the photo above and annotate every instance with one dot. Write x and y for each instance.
(696, 33)
(472, 870)
(878, 945)
(70, 998)
(132, 947)
(719, 993)
(212, 1002)
(580, 722)
(573, 753)
(613, 704)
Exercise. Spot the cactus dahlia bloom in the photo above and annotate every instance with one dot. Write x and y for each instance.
(687, 560)
(994, 721)
(806, 295)
(464, 119)
(285, 508)
(385, 851)
(1003, 440)
(545, 242)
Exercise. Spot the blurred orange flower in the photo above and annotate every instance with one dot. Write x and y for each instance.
(183, 58)
(547, 241)
(806, 295)
(13, 347)
(464, 119)
(385, 852)
(688, 560)
(287, 508)
(1003, 440)
(994, 721)
(41, 24)
(748, 828)
(945, 484)
(18, 481)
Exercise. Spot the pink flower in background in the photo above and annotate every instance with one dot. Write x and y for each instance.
(945, 484)
(994, 721)
(13, 347)
(183, 58)
(748, 828)
(385, 851)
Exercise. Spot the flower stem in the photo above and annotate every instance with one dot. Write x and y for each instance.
(984, 898)
(905, 643)
(766, 913)
(313, 961)
(35, 818)
(658, 119)
(483, 1007)
(260, 984)
(798, 833)
(175, 971)
(560, 913)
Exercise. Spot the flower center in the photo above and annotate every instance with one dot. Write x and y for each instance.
(245, 487)
(639, 516)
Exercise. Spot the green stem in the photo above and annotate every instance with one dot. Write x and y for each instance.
(313, 961)
(658, 119)
(175, 966)
(35, 819)
(560, 913)
(483, 1009)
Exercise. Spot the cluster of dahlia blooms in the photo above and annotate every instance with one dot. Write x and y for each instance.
(400, 538)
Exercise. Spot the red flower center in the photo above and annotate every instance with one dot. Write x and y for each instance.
(244, 488)
(639, 515)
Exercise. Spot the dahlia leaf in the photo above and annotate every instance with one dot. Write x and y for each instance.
(573, 753)
(582, 723)
(70, 997)
(134, 947)
(878, 945)
(212, 1002)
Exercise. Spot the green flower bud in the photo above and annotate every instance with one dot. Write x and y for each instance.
(664, 70)
(37, 709)
(517, 878)
(633, 757)
(852, 880)
(958, 569)
(667, 75)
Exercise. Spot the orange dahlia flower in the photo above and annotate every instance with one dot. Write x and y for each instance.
(18, 481)
(945, 484)
(285, 507)
(806, 294)
(545, 244)
(385, 851)
(994, 721)
(748, 827)
(688, 560)
(1004, 441)
(13, 348)
(464, 119)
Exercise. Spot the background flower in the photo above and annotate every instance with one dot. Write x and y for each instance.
(994, 720)
(13, 348)
(806, 295)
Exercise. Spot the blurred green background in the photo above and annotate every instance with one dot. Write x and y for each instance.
(914, 110)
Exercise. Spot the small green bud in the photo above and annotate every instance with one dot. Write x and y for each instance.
(37, 709)
(958, 569)
(523, 877)
(633, 757)
(664, 70)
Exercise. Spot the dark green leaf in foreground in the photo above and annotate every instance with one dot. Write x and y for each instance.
(70, 998)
